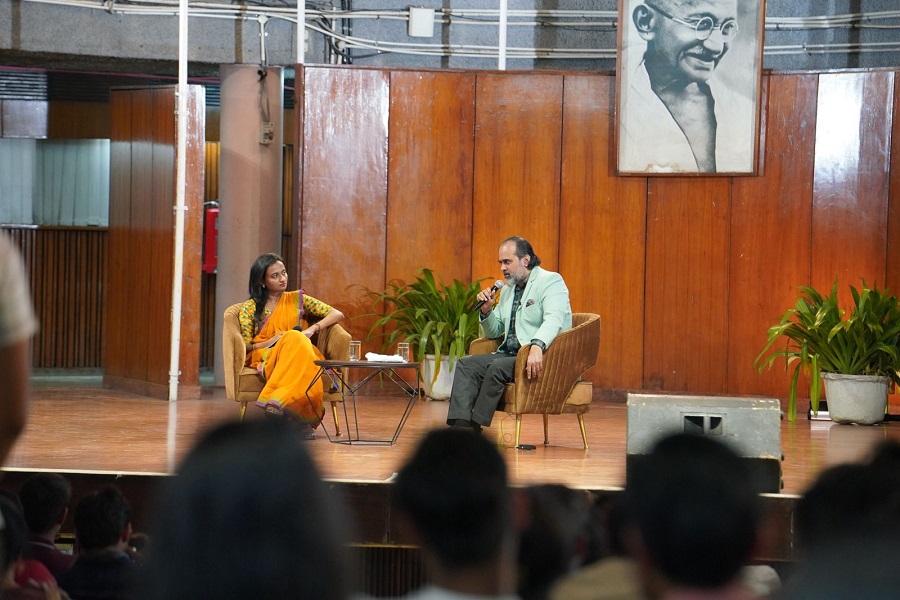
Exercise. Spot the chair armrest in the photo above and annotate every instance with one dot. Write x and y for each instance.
(483, 346)
(234, 352)
(334, 343)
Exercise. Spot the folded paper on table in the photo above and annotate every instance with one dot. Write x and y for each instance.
(384, 357)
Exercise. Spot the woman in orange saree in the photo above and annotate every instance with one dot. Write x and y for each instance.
(276, 330)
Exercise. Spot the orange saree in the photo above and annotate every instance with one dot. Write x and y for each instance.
(288, 366)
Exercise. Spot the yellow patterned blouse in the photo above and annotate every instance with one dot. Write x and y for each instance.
(311, 306)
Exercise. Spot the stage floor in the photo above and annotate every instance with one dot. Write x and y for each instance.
(95, 430)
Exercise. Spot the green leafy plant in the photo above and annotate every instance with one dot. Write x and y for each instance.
(820, 339)
(433, 317)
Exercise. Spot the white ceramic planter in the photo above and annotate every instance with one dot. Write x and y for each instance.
(858, 399)
(440, 390)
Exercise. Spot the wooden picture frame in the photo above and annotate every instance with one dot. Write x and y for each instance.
(687, 104)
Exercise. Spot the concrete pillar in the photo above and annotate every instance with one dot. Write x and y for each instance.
(250, 176)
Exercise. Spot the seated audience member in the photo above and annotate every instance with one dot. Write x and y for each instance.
(608, 573)
(45, 503)
(103, 569)
(21, 581)
(555, 541)
(692, 518)
(452, 500)
(247, 517)
(848, 531)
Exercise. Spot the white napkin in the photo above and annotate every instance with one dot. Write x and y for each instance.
(384, 357)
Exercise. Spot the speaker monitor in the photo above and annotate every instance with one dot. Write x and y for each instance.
(749, 426)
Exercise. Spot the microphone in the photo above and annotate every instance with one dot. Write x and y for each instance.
(497, 285)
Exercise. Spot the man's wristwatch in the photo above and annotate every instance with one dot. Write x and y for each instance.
(539, 344)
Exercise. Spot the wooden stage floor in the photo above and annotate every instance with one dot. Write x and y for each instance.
(97, 436)
(95, 430)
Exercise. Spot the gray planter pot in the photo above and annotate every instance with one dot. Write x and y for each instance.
(858, 399)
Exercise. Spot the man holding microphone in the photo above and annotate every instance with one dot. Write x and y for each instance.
(533, 309)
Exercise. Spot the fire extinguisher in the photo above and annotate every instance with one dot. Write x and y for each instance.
(210, 236)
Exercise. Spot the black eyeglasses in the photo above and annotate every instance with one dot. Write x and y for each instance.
(704, 26)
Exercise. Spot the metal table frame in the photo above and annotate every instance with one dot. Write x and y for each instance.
(336, 372)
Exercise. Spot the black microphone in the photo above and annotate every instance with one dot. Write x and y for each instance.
(497, 285)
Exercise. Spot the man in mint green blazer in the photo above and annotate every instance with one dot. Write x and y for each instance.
(533, 308)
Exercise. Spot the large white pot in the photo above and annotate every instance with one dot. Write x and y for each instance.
(440, 390)
(858, 399)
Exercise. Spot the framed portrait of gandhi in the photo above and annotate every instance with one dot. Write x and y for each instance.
(688, 86)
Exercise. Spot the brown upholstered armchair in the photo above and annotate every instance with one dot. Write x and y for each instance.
(559, 389)
(243, 384)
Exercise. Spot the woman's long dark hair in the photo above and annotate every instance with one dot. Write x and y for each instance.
(259, 293)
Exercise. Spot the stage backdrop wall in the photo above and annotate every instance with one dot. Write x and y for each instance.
(402, 169)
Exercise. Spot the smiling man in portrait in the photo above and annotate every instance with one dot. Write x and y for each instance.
(675, 113)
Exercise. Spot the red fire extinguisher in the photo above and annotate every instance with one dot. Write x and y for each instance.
(210, 236)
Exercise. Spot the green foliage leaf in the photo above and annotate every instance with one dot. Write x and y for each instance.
(433, 317)
(821, 338)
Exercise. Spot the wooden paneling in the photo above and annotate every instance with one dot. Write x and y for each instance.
(341, 212)
(518, 131)
(429, 216)
(67, 270)
(602, 225)
(687, 273)
(120, 155)
(78, 120)
(142, 228)
(893, 236)
(770, 231)
(685, 314)
(853, 133)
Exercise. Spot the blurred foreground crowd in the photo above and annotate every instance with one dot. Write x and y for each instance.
(248, 516)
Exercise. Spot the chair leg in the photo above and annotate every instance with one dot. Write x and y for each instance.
(546, 429)
(518, 428)
(337, 423)
(243, 410)
(583, 432)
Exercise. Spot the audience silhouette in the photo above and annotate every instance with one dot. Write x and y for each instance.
(247, 516)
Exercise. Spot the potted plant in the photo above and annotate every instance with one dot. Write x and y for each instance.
(436, 319)
(856, 350)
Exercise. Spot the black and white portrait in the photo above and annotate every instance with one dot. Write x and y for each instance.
(688, 86)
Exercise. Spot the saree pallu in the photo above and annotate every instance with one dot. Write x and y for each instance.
(288, 366)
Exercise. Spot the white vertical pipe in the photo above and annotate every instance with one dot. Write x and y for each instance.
(301, 31)
(180, 178)
(501, 56)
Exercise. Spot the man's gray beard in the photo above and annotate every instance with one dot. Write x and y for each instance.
(514, 281)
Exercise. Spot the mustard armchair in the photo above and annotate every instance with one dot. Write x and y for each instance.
(559, 389)
(243, 384)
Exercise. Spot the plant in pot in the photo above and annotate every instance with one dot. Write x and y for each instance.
(436, 319)
(848, 352)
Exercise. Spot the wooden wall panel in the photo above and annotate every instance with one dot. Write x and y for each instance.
(161, 236)
(686, 307)
(119, 243)
(67, 271)
(343, 200)
(602, 228)
(192, 257)
(141, 302)
(140, 250)
(893, 235)
(429, 214)
(518, 132)
(853, 133)
(770, 231)
(78, 120)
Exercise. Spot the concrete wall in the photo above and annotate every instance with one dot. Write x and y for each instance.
(65, 36)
